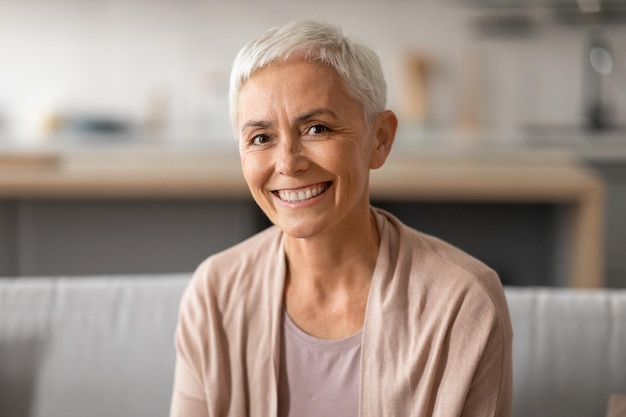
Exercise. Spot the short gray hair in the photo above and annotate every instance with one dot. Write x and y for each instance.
(356, 64)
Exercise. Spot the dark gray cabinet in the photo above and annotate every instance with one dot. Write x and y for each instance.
(72, 237)
(614, 175)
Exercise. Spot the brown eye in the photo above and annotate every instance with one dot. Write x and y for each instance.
(260, 139)
(318, 130)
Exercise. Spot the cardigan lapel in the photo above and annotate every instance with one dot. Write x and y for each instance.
(383, 392)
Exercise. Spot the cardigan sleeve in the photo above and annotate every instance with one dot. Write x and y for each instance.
(188, 396)
(491, 389)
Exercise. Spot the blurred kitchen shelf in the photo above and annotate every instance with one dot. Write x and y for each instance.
(28, 160)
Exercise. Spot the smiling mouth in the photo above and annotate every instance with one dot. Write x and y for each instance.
(302, 194)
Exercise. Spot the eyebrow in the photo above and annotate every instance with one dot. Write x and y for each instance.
(315, 112)
(257, 123)
(299, 119)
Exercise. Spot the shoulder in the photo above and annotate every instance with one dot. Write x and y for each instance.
(438, 268)
(423, 250)
(452, 263)
(260, 247)
(230, 273)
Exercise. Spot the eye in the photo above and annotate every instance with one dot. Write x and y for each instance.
(261, 139)
(318, 130)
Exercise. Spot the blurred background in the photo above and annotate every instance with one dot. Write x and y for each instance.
(162, 66)
(501, 78)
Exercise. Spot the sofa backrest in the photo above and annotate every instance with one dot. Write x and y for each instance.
(98, 347)
(103, 346)
(569, 350)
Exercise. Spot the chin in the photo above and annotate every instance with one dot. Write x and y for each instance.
(298, 231)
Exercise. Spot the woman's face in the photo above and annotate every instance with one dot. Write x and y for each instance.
(306, 149)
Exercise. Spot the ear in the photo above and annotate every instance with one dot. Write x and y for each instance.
(384, 131)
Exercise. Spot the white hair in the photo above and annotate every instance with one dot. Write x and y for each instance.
(356, 64)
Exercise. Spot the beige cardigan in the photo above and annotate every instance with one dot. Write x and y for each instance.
(436, 339)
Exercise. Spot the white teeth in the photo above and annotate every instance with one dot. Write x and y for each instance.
(301, 195)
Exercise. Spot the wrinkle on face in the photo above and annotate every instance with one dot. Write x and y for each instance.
(280, 109)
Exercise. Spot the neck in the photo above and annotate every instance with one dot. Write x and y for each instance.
(345, 258)
(328, 279)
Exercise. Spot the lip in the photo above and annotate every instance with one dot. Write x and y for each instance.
(304, 201)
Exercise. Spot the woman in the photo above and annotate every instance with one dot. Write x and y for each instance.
(338, 309)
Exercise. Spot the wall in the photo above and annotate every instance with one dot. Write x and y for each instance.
(130, 58)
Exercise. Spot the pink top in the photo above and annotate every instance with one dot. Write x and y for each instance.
(318, 377)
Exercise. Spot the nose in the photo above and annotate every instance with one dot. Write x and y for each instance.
(290, 157)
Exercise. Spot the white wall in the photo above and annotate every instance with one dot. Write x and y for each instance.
(111, 55)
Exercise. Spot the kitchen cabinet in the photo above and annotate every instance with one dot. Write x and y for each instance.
(613, 173)
(117, 236)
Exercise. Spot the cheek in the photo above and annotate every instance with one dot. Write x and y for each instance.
(347, 160)
(253, 171)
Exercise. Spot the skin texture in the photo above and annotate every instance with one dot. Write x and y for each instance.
(300, 130)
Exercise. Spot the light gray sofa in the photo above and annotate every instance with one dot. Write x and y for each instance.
(103, 346)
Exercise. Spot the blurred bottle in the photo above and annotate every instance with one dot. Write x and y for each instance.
(156, 113)
(598, 64)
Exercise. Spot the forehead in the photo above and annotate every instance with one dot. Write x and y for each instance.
(292, 86)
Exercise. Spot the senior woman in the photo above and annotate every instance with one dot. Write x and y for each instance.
(338, 309)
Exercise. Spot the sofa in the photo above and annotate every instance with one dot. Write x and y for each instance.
(103, 346)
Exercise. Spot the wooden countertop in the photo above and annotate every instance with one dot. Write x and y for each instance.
(110, 173)
(115, 174)
(191, 173)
